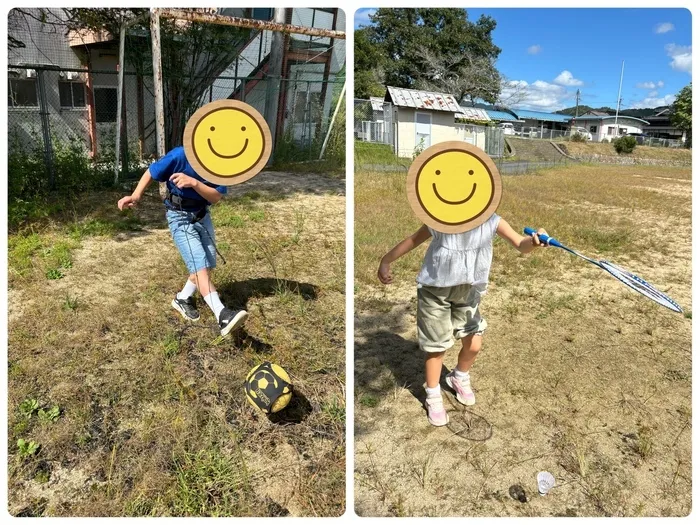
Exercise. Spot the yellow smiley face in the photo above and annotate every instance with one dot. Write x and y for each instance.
(453, 187)
(227, 142)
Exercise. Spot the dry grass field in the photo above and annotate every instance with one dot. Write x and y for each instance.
(117, 407)
(579, 376)
(587, 149)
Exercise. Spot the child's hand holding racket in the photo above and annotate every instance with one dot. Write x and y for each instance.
(536, 237)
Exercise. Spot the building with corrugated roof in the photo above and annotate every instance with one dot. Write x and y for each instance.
(608, 127)
(423, 118)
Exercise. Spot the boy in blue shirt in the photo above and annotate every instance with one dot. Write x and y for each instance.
(187, 205)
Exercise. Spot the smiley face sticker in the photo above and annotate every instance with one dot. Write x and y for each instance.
(453, 187)
(227, 142)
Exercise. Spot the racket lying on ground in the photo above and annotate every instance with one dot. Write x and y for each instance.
(636, 283)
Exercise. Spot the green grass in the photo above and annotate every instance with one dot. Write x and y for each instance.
(152, 411)
(368, 153)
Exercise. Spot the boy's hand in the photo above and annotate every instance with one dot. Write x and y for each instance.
(535, 237)
(183, 181)
(384, 273)
(127, 202)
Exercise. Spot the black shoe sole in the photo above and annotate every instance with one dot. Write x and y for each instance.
(182, 312)
(236, 322)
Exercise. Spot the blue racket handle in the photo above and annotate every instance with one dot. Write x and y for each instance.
(551, 241)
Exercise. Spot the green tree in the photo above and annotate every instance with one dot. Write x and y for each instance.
(369, 66)
(406, 37)
(682, 112)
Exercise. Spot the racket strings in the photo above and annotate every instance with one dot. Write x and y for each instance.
(640, 285)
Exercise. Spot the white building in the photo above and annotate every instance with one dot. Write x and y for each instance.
(423, 118)
(605, 127)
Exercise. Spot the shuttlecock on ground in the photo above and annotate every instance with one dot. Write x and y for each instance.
(545, 481)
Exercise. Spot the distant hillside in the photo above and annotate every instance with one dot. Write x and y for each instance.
(639, 113)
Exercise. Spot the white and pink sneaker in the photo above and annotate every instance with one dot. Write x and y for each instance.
(462, 387)
(437, 415)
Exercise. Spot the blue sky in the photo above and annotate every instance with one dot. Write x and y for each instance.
(551, 53)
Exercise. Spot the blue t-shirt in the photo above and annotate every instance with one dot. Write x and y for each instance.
(173, 162)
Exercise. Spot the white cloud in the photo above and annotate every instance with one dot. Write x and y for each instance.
(362, 17)
(664, 27)
(565, 78)
(652, 93)
(653, 102)
(538, 96)
(533, 50)
(650, 85)
(682, 57)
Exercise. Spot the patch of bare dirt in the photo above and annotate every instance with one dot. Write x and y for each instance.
(578, 376)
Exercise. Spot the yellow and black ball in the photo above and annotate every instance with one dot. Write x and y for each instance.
(268, 387)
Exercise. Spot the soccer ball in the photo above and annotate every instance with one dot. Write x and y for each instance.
(268, 387)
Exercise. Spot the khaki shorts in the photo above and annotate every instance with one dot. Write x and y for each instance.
(446, 314)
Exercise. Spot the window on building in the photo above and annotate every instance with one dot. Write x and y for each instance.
(22, 93)
(623, 131)
(593, 129)
(261, 13)
(105, 104)
(72, 94)
(611, 130)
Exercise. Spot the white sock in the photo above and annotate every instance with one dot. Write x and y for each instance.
(214, 303)
(433, 392)
(459, 374)
(187, 291)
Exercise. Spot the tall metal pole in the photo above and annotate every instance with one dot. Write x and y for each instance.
(120, 98)
(619, 94)
(158, 90)
(330, 127)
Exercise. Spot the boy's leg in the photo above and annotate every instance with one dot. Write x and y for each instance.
(228, 319)
(189, 288)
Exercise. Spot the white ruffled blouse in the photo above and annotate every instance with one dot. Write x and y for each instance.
(460, 258)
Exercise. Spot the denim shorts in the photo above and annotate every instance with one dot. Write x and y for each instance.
(194, 241)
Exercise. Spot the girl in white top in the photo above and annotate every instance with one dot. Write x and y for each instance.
(453, 278)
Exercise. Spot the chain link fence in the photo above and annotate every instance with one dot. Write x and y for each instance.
(58, 114)
(544, 133)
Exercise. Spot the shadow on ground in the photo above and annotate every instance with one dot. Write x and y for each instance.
(383, 350)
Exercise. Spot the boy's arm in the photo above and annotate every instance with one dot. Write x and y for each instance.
(184, 181)
(401, 249)
(131, 200)
(520, 243)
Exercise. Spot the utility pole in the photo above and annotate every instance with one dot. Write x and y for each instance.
(619, 93)
(578, 98)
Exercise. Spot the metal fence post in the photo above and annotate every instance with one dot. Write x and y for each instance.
(120, 103)
(45, 127)
(158, 90)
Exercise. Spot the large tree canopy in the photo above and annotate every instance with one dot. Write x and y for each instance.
(428, 47)
(682, 112)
